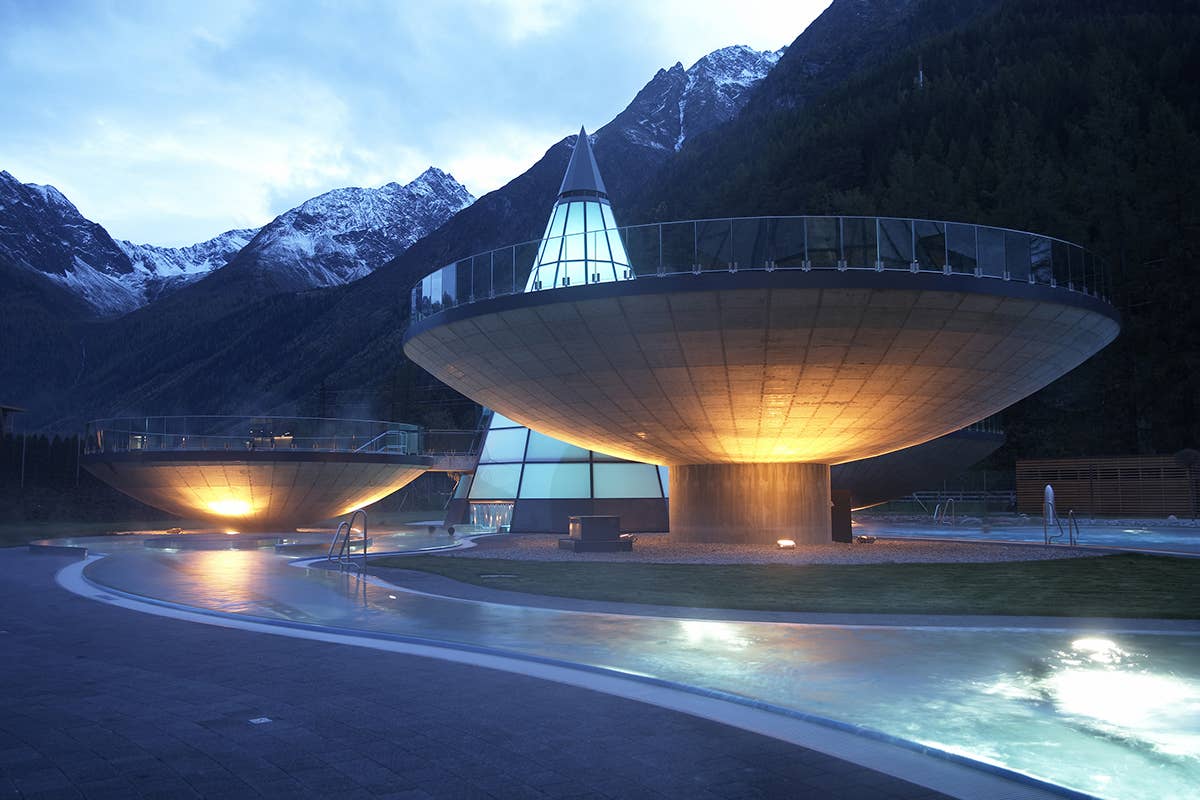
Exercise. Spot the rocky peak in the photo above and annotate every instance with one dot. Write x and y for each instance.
(678, 103)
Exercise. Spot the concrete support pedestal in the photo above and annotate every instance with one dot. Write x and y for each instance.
(750, 503)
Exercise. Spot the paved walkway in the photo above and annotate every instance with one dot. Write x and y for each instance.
(102, 702)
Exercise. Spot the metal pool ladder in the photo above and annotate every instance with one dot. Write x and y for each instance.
(945, 513)
(340, 547)
(1071, 530)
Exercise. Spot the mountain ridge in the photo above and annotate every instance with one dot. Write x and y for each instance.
(223, 345)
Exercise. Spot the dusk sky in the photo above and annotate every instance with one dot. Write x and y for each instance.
(170, 122)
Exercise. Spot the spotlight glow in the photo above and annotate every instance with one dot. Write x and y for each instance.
(229, 507)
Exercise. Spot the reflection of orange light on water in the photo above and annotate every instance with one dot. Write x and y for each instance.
(229, 507)
(232, 533)
(222, 575)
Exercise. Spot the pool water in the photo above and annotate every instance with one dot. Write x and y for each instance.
(1112, 714)
(1182, 539)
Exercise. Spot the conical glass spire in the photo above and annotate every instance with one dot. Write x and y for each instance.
(581, 244)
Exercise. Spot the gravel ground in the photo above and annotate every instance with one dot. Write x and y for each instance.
(655, 548)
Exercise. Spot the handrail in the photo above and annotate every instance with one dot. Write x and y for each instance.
(1051, 520)
(212, 432)
(377, 438)
(337, 536)
(779, 243)
(343, 557)
(943, 510)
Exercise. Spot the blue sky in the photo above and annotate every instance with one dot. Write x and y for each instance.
(169, 122)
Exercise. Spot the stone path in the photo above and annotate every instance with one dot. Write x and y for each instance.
(102, 702)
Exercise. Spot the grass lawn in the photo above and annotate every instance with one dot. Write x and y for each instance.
(1106, 586)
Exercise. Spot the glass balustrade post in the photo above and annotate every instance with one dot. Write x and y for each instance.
(732, 251)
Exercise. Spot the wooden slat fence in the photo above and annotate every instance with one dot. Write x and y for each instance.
(1137, 485)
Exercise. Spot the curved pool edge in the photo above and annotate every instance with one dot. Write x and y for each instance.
(462, 543)
(941, 770)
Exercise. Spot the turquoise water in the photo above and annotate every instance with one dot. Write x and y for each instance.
(1113, 714)
(1165, 538)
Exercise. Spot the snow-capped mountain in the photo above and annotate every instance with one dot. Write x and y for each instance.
(343, 235)
(43, 232)
(160, 270)
(678, 103)
(334, 238)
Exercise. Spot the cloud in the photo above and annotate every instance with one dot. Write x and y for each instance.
(169, 122)
(527, 19)
(492, 161)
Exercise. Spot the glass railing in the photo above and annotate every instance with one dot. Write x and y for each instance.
(248, 434)
(768, 244)
(990, 424)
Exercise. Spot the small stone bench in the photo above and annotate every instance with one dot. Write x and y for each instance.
(596, 534)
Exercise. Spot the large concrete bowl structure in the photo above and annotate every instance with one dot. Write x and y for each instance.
(751, 354)
(750, 383)
(254, 473)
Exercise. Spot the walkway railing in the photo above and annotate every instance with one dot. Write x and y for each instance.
(767, 244)
(143, 434)
(453, 450)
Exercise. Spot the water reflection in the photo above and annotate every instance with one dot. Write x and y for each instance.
(1112, 715)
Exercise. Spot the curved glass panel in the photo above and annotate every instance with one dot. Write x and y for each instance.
(714, 244)
(1040, 265)
(495, 482)
(752, 241)
(824, 242)
(626, 480)
(858, 242)
(545, 448)
(895, 243)
(555, 481)
(787, 247)
(678, 246)
(960, 248)
(1016, 255)
(501, 421)
(506, 444)
(930, 240)
(991, 252)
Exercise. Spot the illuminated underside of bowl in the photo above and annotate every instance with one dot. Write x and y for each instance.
(256, 491)
(750, 384)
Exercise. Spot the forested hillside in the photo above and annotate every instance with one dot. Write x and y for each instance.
(1074, 119)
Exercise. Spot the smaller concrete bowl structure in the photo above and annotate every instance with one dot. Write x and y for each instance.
(254, 473)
